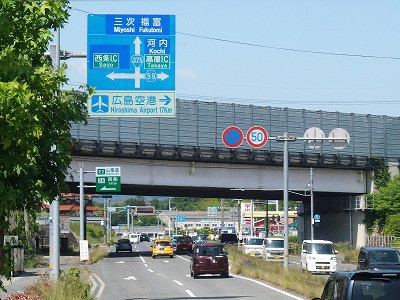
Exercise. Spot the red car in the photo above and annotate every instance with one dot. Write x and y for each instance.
(209, 258)
(184, 244)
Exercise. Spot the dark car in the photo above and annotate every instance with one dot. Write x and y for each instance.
(144, 237)
(123, 245)
(200, 238)
(362, 285)
(228, 238)
(209, 258)
(376, 258)
(184, 244)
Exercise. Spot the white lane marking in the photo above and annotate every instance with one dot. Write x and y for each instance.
(190, 293)
(161, 275)
(267, 286)
(166, 261)
(150, 270)
(177, 282)
(119, 262)
(188, 260)
(141, 257)
(188, 275)
(102, 286)
(94, 285)
(130, 278)
(146, 265)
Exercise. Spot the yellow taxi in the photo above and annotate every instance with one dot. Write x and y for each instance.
(162, 247)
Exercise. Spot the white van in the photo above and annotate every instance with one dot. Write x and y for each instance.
(273, 249)
(253, 246)
(134, 238)
(318, 256)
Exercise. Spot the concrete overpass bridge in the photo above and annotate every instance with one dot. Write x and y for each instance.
(185, 156)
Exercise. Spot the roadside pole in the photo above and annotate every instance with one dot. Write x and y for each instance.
(54, 228)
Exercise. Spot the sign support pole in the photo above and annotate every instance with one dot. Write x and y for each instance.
(286, 202)
(312, 203)
(81, 205)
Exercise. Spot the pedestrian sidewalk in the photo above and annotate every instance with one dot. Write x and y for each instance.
(26, 278)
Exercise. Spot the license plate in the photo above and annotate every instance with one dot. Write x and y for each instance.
(184, 248)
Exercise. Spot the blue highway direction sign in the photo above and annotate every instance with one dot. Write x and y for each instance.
(133, 54)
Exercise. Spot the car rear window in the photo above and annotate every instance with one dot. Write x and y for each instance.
(162, 243)
(184, 239)
(209, 251)
(376, 288)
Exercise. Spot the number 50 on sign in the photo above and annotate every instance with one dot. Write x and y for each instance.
(257, 136)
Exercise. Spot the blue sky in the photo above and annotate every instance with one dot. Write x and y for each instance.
(269, 53)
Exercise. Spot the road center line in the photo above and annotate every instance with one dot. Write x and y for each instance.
(190, 293)
(150, 270)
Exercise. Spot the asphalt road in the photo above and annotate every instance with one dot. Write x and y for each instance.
(138, 276)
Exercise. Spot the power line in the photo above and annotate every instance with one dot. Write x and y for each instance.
(272, 47)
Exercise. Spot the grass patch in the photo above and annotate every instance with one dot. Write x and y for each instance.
(94, 233)
(295, 280)
(346, 252)
(96, 254)
(69, 287)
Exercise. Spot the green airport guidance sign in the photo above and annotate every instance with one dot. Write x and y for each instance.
(108, 179)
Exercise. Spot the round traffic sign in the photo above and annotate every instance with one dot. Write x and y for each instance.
(257, 136)
(232, 137)
(314, 137)
(317, 217)
(339, 133)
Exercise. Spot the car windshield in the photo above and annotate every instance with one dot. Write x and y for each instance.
(124, 241)
(254, 241)
(379, 257)
(209, 251)
(380, 288)
(273, 243)
(320, 248)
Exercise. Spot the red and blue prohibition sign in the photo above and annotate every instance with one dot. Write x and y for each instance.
(232, 137)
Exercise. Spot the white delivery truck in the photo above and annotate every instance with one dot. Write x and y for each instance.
(318, 256)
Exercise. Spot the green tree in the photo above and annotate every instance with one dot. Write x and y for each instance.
(386, 204)
(35, 114)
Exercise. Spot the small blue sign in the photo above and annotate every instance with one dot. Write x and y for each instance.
(100, 103)
(180, 218)
(317, 217)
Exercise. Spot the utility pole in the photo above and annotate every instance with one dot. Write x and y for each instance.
(54, 226)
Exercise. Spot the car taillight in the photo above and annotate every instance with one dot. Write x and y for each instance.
(179, 243)
(191, 243)
(170, 245)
